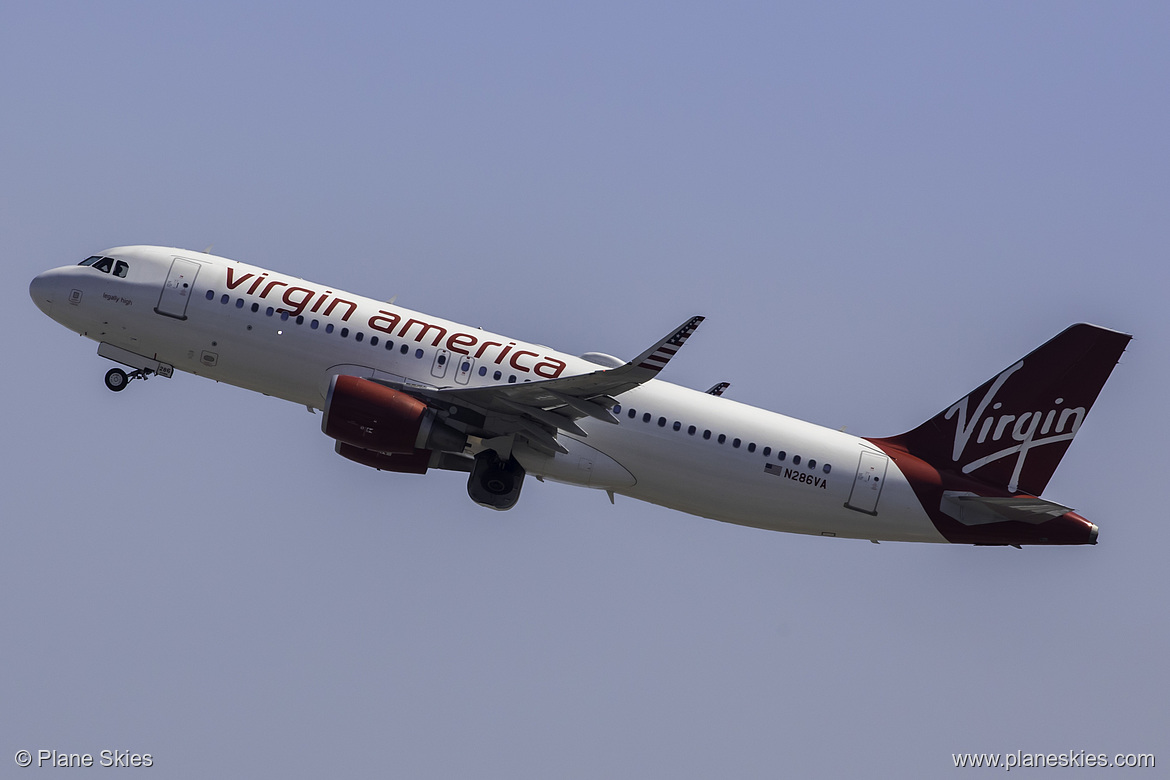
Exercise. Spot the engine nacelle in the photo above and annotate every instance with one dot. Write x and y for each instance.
(416, 462)
(380, 419)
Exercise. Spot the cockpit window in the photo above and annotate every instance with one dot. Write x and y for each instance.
(107, 264)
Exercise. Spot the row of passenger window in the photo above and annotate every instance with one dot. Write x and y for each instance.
(497, 375)
(692, 430)
(358, 336)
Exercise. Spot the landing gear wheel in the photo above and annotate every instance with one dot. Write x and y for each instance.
(499, 483)
(116, 379)
(495, 482)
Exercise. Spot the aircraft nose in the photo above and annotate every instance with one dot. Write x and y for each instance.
(42, 290)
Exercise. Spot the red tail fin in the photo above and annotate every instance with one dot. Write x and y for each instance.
(1012, 430)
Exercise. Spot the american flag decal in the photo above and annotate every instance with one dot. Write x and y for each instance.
(665, 351)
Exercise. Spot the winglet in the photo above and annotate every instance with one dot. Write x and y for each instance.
(656, 358)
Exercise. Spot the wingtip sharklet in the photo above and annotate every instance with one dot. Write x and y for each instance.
(656, 358)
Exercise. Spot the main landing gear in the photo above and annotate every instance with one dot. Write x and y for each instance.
(495, 482)
(117, 379)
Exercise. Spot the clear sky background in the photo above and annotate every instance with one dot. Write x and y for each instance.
(877, 207)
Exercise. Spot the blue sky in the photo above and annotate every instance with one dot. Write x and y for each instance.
(876, 208)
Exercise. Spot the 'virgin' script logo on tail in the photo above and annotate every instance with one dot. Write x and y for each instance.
(1028, 429)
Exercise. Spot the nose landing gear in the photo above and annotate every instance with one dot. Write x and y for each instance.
(117, 379)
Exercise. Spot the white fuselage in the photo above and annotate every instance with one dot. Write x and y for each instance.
(286, 337)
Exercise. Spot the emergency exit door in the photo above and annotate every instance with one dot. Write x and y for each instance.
(868, 482)
(176, 292)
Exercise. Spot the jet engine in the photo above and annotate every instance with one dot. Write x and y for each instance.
(369, 416)
(416, 462)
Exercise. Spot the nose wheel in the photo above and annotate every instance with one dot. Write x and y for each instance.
(117, 379)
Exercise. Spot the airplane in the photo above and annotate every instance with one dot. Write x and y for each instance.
(405, 392)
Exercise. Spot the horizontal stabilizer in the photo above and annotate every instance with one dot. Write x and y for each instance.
(971, 509)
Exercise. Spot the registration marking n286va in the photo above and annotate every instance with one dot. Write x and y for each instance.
(796, 475)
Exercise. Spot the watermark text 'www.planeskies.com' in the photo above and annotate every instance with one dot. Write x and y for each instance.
(1070, 758)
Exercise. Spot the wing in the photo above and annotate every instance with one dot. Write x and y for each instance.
(536, 411)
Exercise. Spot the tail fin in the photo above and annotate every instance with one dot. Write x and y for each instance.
(1012, 430)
